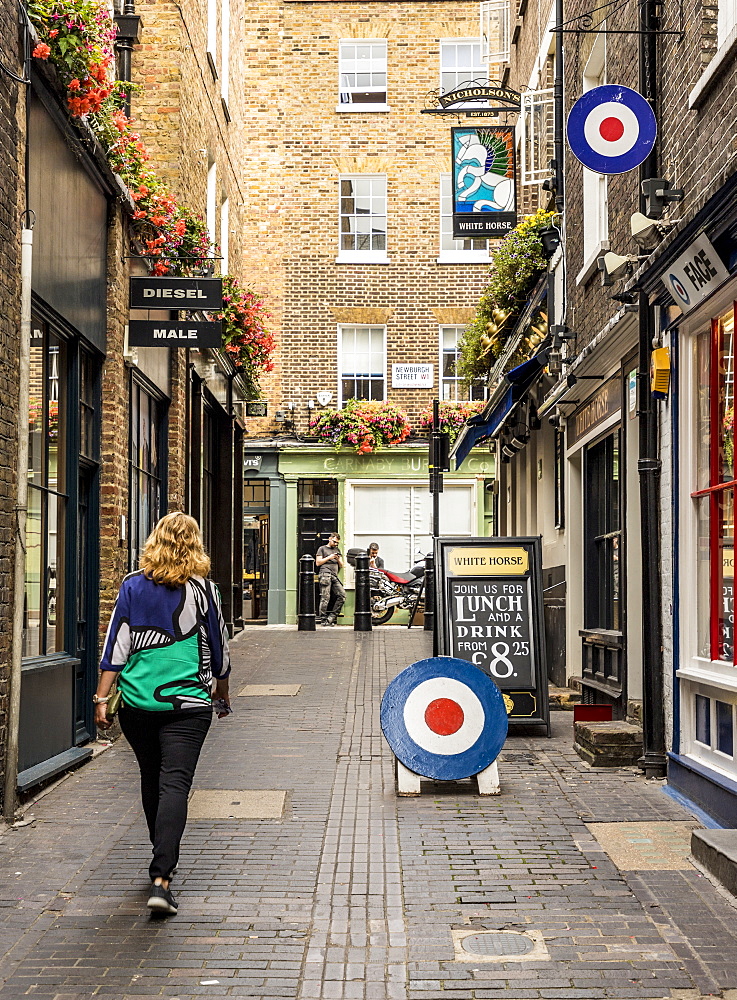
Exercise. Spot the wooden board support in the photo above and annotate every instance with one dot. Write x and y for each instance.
(408, 783)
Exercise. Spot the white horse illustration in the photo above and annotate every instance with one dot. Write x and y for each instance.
(473, 155)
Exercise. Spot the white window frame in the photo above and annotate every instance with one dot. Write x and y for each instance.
(212, 192)
(343, 328)
(345, 93)
(462, 390)
(535, 102)
(495, 23)
(212, 36)
(595, 186)
(369, 256)
(224, 235)
(475, 71)
(726, 20)
(225, 54)
(451, 250)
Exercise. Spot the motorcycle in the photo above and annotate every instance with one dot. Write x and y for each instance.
(390, 590)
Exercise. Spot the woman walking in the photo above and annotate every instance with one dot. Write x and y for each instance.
(165, 643)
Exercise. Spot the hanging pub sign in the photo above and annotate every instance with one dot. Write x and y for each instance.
(176, 293)
(484, 196)
(490, 612)
(170, 333)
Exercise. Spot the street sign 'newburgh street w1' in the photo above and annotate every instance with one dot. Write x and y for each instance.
(176, 293)
(168, 333)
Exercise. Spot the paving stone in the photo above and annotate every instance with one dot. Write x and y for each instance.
(351, 892)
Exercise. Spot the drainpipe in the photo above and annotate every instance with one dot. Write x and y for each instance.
(558, 109)
(21, 508)
(129, 34)
(653, 761)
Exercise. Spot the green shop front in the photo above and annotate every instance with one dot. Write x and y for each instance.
(381, 497)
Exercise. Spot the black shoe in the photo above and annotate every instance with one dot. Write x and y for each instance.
(161, 900)
(331, 620)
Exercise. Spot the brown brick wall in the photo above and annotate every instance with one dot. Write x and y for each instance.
(12, 123)
(297, 146)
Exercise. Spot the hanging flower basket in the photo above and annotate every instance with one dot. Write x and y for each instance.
(362, 425)
(452, 414)
(246, 338)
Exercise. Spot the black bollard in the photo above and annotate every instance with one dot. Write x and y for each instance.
(362, 612)
(429, 594)
(306, 596)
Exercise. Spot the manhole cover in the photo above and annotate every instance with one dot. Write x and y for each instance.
(517, 758)
(497, 944)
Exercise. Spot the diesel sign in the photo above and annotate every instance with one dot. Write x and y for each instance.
(176, 293)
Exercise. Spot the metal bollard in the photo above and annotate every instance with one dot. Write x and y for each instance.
(429, 594)
(306, 604)
(362, 612)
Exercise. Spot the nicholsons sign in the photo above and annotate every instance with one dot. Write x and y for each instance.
(491, 614)
(176, 293)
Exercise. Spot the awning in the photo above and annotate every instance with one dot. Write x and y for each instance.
(510, 391)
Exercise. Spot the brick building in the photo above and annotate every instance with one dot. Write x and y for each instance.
(632, 493)
(117, 436)
(349, 222)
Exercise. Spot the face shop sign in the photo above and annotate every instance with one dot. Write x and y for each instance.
(695, 274)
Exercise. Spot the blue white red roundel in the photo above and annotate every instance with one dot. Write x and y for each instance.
(444, 718)
(611, 129)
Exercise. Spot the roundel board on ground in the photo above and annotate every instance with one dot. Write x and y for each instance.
(444, 718)
(611, 129)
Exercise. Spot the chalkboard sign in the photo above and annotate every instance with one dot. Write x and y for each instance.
(491, 614)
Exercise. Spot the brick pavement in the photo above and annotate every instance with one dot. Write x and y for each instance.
(353, 893)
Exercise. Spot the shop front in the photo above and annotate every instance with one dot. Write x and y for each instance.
(68, 343)
(381, 497)
(703, 765)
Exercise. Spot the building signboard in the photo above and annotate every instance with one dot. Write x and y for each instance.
(602, 405)
(490, 612)
(484, 194)
(695, 274)
(256, 408)
(169, 333)
(413, 376)
(176, 293)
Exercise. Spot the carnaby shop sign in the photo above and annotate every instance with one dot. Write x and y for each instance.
(176, 293)
(695, 274)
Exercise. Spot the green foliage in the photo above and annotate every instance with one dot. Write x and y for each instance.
(363, 425)
(518, 262)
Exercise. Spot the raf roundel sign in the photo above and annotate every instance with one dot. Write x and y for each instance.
(444, 718)
(611, 129)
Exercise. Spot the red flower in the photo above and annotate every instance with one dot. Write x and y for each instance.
(73, 84)
(54, 33)
(42, 51)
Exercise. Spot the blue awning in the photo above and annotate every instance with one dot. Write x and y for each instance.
(510, 391)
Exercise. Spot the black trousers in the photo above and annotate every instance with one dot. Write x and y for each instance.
(167, 747)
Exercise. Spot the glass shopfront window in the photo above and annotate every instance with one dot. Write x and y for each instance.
(603, 533)
(47, 499)
(146, 467)
(714, 484)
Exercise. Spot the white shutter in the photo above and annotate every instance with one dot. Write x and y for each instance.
(495, 22)
(537, 135)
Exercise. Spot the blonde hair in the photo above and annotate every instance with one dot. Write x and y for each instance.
(174, 552)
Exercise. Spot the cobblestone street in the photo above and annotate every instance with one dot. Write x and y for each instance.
(352, 892)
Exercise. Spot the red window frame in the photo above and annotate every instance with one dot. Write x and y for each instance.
(716, 490)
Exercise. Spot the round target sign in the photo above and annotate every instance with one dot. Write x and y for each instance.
(611, 129)
(444, 718)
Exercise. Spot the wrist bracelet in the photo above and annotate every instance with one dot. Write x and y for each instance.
(97, 700)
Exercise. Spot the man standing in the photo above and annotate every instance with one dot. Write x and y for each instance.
(329, 562)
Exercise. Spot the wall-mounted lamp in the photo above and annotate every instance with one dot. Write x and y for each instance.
(646, 232)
